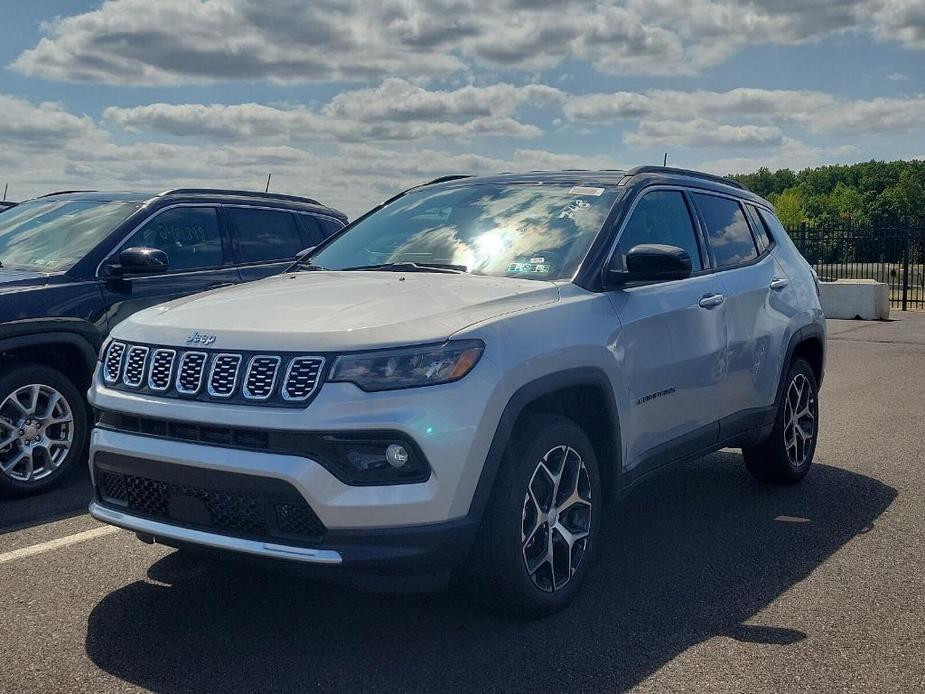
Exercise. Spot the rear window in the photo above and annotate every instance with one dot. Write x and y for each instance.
(728, 232)
(771, 226)
(264, 235)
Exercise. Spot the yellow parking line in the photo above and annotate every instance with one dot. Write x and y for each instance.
(56, 544)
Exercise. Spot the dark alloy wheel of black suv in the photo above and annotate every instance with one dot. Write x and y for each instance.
(74, 264)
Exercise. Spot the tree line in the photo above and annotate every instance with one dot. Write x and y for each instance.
(871, 193)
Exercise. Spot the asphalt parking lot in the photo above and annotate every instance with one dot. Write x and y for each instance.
(705, 582)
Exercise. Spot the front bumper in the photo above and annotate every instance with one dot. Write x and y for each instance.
(425, 549)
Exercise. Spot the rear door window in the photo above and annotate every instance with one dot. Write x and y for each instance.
(264, 236)
(329, 226)
(727, 230)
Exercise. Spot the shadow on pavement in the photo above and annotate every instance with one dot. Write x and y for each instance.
(70, 498)
(692, 555)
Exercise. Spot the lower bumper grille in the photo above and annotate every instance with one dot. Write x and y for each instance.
(258, 515)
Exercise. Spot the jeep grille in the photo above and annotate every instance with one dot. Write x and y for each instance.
(238, 377)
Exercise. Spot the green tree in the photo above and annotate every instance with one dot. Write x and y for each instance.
(789, 205)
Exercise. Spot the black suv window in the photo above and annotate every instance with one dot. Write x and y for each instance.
(190, 237)
(329, 226)
(730, 237)
(265, 235)
(317, 229)
(660, 217)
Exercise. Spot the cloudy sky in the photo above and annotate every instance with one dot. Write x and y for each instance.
(351, 100)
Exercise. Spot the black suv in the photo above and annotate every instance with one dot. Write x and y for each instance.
(74, 264)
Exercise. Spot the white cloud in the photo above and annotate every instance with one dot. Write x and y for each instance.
(46, 148)
(28, 126)
(699, 132)
(897, 77)
(137, 42)
(395, 110)
(744, 117)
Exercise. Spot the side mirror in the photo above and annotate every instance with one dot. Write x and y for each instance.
(652, 262)
(138, 261)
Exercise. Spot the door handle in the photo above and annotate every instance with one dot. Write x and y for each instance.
(779, 283)
(711, 300)
(219, 285)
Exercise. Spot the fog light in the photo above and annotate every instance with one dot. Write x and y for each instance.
(396, 455)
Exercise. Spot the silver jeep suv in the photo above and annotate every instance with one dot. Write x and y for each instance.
(464, 377)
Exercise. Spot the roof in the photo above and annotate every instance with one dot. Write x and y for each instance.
(644, 175)
(218, 195)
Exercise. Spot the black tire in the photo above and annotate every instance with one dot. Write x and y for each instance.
(19, 375)
(786, 455)
(496, 571)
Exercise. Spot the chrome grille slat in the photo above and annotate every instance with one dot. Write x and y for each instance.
(113, 367)
(161, 369)
(190, 371)
(134, 373)
(260, 377)
(223, 377)
(302, 377)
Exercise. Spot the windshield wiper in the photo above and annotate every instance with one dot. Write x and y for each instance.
(413, 267)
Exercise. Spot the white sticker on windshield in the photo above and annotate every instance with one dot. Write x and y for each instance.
(586, 190)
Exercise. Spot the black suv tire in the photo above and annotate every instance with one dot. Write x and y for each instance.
(51, 383)
(548, 484)
(787, 454)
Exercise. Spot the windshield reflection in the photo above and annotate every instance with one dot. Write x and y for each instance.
(514, 230)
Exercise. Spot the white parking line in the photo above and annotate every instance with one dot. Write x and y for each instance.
(56, 544)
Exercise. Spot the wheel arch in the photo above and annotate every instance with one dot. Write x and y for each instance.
(68, 352)
(585, 391)
(809, 343)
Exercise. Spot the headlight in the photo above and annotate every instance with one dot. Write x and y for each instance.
(408, 367)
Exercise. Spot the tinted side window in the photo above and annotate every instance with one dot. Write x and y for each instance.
(264, 235)
(730, 237)
(772, 226)
(329, 226)
(660, 217)
(312, 234)
(189, 236)
(758, 226)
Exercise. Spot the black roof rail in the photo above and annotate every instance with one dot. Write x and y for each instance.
(444, 179)
(685, 172)
(240, 193)
(64, 192)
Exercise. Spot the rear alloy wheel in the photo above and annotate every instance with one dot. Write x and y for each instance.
(787, 454)
(539, 528)
(42, 428)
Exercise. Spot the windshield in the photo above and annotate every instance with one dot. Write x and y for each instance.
(52, 235)
(535, 231)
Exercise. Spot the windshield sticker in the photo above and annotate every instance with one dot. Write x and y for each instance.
(586, 190)
(573, 207)
(529, 268)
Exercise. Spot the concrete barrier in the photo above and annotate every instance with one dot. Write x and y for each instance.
(866, 299)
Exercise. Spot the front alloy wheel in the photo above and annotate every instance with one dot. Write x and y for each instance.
(36, 432)
(556, 518)
(540, 526)
(43, 427)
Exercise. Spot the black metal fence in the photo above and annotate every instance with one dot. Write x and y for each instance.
(891, 254)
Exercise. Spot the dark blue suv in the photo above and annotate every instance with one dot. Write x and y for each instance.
(74, 264)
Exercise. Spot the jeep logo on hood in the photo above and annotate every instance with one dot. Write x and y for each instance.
(198, 338)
